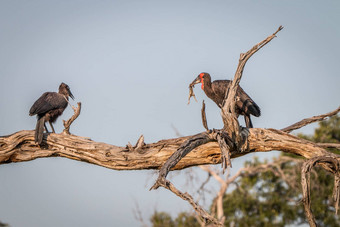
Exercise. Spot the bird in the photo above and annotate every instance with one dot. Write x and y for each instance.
(49, 107)
(217, 90)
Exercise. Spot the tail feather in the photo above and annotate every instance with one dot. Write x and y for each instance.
(39, 130)
(250, 107)
(246, 104)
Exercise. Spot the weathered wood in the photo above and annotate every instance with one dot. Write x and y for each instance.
(309, 120)
(204, 117)
(20, 147)
(67, 124)
(305, 182)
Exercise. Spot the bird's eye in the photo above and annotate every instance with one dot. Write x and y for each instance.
(201, 75)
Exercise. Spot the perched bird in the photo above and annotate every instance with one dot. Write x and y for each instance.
(48, 108)
(216, 91)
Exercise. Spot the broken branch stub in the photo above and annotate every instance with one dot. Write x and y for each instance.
(204, 117)
(68, 123)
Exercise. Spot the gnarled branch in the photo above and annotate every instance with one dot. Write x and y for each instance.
(68, 123)
(20, 147)
(305, 182)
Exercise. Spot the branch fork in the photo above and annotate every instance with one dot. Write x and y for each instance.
(139, 145)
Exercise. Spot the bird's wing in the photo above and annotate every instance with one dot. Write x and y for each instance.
(220, 87)
(246, 104)
(47, 101)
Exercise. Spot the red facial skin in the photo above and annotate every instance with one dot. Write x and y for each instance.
(202, 80)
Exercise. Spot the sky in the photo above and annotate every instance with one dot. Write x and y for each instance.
(130, 63)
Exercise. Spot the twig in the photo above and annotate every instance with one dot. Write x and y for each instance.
(68, 123)
(185, 196)
(310, 120)
(138, 214)
(204, 117)
(201, 188)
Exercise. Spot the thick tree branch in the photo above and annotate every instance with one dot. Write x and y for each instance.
(329, 145)
(20, 147)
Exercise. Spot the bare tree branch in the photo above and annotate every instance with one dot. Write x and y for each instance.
(20, 147)
(305, 182)
(68, 123)
(185, 196)
(310, 120)
(204, 117)
(329, 145)
(229, 102)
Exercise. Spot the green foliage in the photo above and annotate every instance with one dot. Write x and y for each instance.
(328, 131)
(184, 219)
(272, 201)
(262, 199)
(268, 199)
(161, 219)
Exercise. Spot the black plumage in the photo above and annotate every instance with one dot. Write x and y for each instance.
(216, 91)
(49, 107)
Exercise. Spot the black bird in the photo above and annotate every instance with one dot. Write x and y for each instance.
(216, 91)
(48, 108)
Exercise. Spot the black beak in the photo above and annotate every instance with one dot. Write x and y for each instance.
(70, 94)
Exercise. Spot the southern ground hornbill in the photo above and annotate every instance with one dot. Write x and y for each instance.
(49, 107)
(216, 91)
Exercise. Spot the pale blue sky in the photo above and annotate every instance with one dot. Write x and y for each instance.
(130, 64)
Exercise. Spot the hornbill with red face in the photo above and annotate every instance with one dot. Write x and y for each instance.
(216, 91)
(49, 107)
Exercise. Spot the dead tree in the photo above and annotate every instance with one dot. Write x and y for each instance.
(209, 147)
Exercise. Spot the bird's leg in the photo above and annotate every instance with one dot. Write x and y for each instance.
(46, 128)
(247, 119)
(51, 127)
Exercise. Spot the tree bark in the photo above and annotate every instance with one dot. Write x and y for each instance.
(20, 147)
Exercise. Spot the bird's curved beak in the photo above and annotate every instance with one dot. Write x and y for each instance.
(70, 94)
(196, 81)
